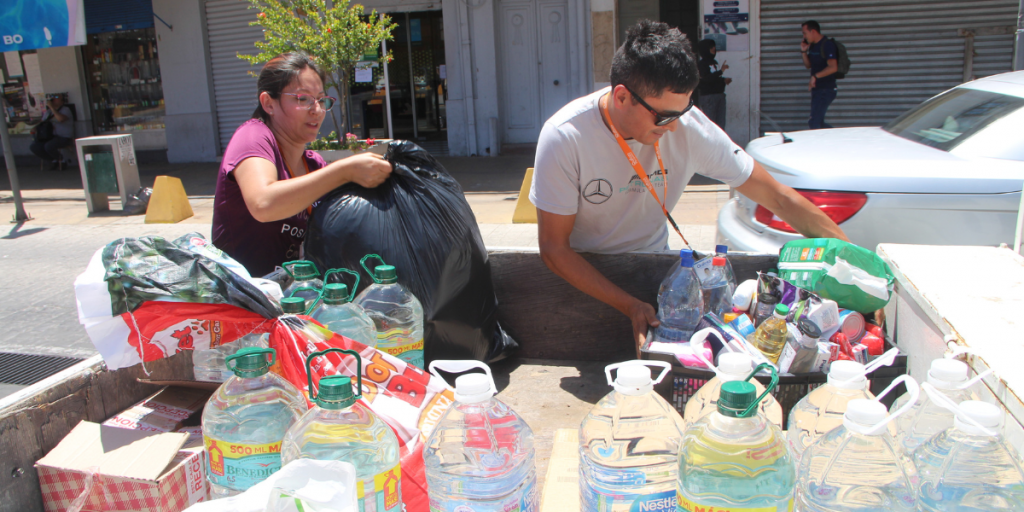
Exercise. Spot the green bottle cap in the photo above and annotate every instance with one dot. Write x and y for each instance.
(335, 392)
(386, 274)
(304, 271)
(781, 309)
(736, 397)
(293, 305)
(251, 361)
(336, 293)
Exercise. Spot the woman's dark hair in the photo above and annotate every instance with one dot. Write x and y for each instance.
(278, 73)
(655, 58)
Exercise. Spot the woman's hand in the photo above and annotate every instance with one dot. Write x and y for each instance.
(367, 169)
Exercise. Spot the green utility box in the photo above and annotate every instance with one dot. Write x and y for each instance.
(100, 172)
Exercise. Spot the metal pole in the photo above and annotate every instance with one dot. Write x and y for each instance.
(1018, 51)
(387, 85)
(412, 80)
(12, 172)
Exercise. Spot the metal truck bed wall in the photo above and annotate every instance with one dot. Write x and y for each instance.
(548, 317)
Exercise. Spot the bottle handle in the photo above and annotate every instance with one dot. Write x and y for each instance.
(946, 403)
(886, 359)
(319, 295)
(915, 393)
(309, 370)
(287, 264)
(460, 366)
(362, 263)
(264, 351)
(697, 347)
(768, 389)
(665, 368)
(355, 286)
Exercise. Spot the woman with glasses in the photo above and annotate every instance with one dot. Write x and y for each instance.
(268, 181)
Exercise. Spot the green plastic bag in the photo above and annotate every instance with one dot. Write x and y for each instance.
(853, 276)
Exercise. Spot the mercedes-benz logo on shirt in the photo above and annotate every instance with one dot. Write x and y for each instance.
(597, 191)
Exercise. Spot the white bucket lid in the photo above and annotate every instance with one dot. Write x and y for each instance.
(634, 380)
(862, 414)
(847, 375)
(947, 373)
(986, 414)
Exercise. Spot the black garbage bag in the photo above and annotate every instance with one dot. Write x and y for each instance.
(419, 222)
(186, 269)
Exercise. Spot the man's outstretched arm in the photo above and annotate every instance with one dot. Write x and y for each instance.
(789, 205)
(553, 236)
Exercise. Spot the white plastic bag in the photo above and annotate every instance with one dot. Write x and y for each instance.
(301, 485)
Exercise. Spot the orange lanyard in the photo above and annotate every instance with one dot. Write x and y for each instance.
(635, 162)
(309, 209)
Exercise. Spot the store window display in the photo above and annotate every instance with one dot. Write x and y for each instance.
(125, 89)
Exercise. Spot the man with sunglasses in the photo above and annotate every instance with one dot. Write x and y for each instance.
(611, 165)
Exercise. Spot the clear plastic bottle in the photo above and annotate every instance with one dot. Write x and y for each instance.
(340, 315)
(970, 467)
(823, 408)
(716, 289)
(339, 427)
(722, 251)
(927, 418)
(629, 445)
(208, 364)
(396, 313)
(857, 466)
(770, 336)
(480, 456)
(680, 302)
(305, 276)
(732, 366)
(244, 422)
(734, 458)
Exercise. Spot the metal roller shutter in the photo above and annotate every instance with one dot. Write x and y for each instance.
(234, 89)
(902, 52)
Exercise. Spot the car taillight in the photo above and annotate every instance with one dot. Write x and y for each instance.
(839, 206)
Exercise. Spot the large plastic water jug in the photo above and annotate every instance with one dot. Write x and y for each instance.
(306, 280)
(396, 313)
(341, 428)
(823, 408)
(245, 421)
(680, 302)
(734, 458)
(857, 466)
(480, 455)
(927, 418)
(337, 313)
(732, 366)
(208, 364)
(629, 444)
(969, 467)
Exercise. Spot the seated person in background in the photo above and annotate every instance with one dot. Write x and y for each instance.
(47, 145)
(268, 181)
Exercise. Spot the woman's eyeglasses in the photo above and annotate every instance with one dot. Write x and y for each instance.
(661, 119)
(306, 101)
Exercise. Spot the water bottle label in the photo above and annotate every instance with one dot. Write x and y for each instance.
(604, 500)
(686, 505)
(525, 500)
(240, 466)
(387, 491)
(707, 277)
(411, 352)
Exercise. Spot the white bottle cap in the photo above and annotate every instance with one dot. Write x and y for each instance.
(862, 414)
(986, 414)
(734, 366)
(634, 380)
(847, 375)
(473, 388)
(947, 373)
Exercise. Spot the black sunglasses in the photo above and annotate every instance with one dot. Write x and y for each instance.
(661, 119)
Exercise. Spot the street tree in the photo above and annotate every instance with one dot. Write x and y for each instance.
(335, 35)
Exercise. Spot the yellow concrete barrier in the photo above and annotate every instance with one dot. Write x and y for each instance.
(169, 203)
(525, 212)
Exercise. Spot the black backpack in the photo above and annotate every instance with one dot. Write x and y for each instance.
(44, 131)
(842, 58)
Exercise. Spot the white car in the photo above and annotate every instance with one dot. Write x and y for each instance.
(948, 172)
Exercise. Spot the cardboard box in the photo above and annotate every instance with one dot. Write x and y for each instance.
(162, 412)
(121, 469)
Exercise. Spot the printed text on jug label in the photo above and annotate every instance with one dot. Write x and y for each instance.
(689, 506)
(240, 466)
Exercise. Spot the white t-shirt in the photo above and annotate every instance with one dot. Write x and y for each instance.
(581, 170)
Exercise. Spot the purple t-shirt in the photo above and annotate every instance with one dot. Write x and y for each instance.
(259, 246)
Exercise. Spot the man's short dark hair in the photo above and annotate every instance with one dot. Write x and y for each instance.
(655, 58)
(812, 25)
